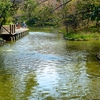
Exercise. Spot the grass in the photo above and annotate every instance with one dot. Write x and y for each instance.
(82, 35)
(91, 33)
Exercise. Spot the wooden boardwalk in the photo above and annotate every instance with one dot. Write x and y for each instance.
(13, 33)
(18, 31)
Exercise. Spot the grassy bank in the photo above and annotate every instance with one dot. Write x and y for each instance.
(91, 33)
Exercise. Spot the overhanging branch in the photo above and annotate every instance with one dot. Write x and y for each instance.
(62, 5)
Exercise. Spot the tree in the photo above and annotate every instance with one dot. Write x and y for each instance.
(76, 14)
(28, 7)
(4, 11)
(96, 14)
(7, 8)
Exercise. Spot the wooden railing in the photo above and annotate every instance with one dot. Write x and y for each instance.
(10, 29)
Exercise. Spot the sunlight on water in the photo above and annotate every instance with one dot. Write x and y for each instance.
(43, 66)
(9, 50)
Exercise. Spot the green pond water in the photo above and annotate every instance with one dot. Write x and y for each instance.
(44, 66)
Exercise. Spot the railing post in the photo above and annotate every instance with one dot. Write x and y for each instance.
(14, 28)
(10, 29)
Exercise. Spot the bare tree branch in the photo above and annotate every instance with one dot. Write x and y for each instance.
(62, 5)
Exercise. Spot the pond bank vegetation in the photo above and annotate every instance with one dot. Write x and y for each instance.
(91, 33)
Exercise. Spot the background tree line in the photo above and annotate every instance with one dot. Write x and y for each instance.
(72, 14)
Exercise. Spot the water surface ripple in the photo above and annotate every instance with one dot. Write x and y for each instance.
(44, 66)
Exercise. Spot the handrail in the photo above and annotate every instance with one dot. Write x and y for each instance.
(11, 28)
(6, 30)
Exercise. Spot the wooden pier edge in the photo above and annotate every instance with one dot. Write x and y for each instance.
(11, 33)
(19, 34)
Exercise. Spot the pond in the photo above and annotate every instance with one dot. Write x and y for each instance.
(44, 66)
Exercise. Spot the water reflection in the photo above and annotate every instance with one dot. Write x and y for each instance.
(5, 81)
(43, 66)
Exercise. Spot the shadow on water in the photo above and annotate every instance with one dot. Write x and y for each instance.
(43, 66)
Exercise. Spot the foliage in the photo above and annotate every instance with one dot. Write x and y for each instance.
(96, 13)
(28, 7)
(86, 34)
(41, 16)
(73, 14)
(7, 9)
(77, 13)
(4, 10)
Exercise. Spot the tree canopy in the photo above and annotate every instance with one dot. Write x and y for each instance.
(73, 14)
(7, 9)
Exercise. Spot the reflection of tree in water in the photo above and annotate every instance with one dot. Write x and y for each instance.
(3, 70)
(89, 46)
(5, 81)
(29, 86)
(94, 89)
(1, 62)
(93, 71)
